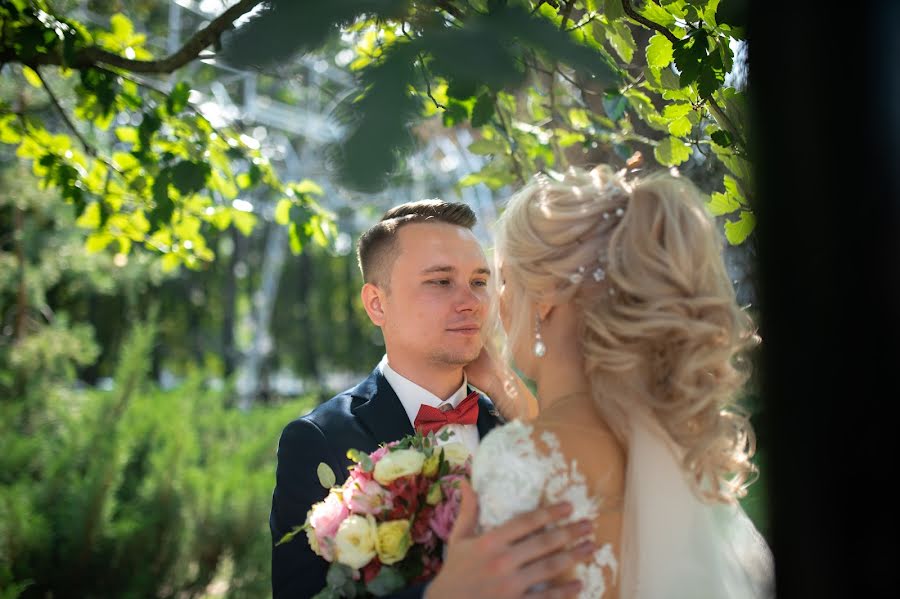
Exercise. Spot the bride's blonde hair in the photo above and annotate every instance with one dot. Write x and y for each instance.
(660, 328)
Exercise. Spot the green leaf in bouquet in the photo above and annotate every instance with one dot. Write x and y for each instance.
(386, 582)
(326, 475)
(361, 458)
(444, 436)
(339, 580)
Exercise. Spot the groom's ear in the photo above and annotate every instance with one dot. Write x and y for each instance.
(372, 298)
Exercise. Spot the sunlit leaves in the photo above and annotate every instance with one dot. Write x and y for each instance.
(737, 231)
(671, 151)
(122, 39)
(728, 202)
(659, 52)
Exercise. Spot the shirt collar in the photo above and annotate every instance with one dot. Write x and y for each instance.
(412, 396)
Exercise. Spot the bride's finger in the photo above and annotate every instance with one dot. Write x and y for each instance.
(550, 541)
(466, 520)
(559, 563)
(526, 524)
(560, 591)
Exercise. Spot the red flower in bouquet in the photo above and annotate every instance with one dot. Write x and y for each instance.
(385, 527)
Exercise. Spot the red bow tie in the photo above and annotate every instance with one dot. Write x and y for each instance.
(432, 419)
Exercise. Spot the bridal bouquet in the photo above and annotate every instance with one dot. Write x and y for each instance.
(386, 526)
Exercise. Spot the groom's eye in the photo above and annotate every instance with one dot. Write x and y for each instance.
(439, 282)
(480, 283)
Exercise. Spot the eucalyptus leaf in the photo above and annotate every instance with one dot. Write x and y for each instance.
(326, 475)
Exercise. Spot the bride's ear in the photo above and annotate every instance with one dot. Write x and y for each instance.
(544, 310)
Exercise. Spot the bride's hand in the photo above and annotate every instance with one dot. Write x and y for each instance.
(484, 373)
(511, 396)
(523, 557)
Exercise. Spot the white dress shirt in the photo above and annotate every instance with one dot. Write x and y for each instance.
(412, 396)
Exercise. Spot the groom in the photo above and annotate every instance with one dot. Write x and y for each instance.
(426, 287)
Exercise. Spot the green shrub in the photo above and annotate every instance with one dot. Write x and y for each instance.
(136, 492)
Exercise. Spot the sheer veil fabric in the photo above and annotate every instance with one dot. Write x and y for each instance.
(675, 546)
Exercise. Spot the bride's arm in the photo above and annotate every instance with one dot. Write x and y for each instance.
(508, 392)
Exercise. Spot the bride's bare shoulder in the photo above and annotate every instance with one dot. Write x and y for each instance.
(588, 442)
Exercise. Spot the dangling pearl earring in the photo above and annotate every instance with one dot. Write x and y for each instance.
(539, 348)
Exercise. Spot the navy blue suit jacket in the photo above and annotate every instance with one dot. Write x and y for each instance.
(361, 418)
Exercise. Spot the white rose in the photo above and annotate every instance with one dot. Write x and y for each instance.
(455, 453)
(395, 464)
(354, 543)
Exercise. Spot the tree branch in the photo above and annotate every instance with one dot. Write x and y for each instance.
(632, 14)
(450, 9)
(507, 130)
(88, 148)
(722, 118)
(93, 55)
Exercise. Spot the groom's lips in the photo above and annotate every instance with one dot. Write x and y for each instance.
(466, 330)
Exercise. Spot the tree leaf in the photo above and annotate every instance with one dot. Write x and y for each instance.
(483, 110)
(307, 186)
(189, 177)
(178, 98)
(659, 52)
(486, 146)
(737, 231)
(676, 111)
(619, 36)
(283, 211)
(722, 138)
(689, 54)
(680, 127)
(721, 204)
(614, 104)
(671, 151)
(32, 77)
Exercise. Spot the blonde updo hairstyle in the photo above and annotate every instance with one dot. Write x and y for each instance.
(661, 332)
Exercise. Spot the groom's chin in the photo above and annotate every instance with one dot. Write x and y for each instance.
(460, 357)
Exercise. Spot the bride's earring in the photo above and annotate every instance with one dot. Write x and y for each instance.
(539, 348)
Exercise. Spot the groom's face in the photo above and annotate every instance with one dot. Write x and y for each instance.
(436, 302)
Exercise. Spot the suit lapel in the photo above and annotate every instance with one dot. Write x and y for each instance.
(379, 409)
(488, 416)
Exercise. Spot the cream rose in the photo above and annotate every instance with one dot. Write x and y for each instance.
(395, 464)
(354, 543)
(393, 541)
(455, 453)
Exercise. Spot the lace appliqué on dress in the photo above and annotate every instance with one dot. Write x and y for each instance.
(512, 476)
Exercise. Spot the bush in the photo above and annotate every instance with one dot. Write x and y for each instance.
(136, 492)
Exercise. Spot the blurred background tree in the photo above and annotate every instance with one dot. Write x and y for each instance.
(181, 187)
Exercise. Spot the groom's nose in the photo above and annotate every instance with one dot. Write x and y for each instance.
(468, 300)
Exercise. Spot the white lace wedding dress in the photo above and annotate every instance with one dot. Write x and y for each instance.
(674, 546)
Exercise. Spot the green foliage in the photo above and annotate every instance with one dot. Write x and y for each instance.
(539, 77)
(166, 179)
(136, 492)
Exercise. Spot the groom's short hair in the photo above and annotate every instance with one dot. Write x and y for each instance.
(377, 248)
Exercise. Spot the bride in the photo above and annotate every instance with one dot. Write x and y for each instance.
(616, 303)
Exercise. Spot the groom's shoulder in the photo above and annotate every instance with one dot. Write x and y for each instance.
(336, 411)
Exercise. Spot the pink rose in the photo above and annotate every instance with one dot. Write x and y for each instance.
(442, 519)
(445, 513)
(325, 518)
(380, 452)
(365, 496)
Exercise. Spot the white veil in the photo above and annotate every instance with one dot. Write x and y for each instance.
(675, 546)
